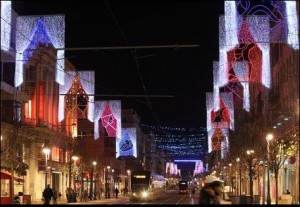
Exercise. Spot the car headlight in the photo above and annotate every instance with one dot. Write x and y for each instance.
(144, 194)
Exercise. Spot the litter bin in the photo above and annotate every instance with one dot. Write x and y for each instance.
(26, 199)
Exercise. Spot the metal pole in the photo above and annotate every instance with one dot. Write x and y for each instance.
(268, 185)
(46, 170)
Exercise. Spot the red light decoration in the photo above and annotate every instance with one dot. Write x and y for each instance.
(109, 121)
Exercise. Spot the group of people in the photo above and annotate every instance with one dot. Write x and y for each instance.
(50, 193)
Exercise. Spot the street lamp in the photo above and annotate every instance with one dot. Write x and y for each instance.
(94, 172)
(106, 182)
(269, 138)
(129, 181)
(250, 154)
(46, 151)
(230, 179)
(240, 174)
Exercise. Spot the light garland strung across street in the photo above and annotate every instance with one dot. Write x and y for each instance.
(5, 25)
(35, 30)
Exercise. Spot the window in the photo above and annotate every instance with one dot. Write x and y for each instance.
(5, 186)
(55, 154)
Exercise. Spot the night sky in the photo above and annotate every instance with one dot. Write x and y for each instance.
(185, 73)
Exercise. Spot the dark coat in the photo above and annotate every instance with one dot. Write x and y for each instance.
(48, 192)
(208, 196)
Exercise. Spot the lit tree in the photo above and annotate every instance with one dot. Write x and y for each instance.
(281, 149)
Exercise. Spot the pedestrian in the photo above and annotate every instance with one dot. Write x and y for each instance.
(67, 194)
(211, 191)
(59, 195)
(55, 196)
(116, 192)
(47, 194)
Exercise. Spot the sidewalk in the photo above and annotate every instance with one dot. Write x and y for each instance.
(64, 201)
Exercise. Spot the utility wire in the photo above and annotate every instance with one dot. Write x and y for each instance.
(133, 52)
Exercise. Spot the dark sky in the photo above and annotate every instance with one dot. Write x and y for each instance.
(185, 73)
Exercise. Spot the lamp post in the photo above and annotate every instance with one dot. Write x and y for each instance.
(230, 179)
(240, 174)
(94, 164)
(46, 151)
(269, 138)
(129, 181)
(250, 154)
(106, 181)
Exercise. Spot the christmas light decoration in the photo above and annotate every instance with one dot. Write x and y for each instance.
(110, 114)
(126, 146)
(5, 25)
(224, 116)
(218, 140)
(87, 79)
(35, 30)
(63, 90)
(293, 24)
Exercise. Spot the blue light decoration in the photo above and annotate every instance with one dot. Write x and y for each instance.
(179, 142)
(35, 30)
(126, 146)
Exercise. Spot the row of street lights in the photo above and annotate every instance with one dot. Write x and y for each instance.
(250, 158)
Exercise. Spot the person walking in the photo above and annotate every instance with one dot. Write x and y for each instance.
(55, 195)
(47, 194)
(116, 192)
(211, 191)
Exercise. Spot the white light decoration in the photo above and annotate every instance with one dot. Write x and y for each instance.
(29, 32)
(209, 142)
(126, 146)
(56, 28)
(282, 15)
(115, 107)
(228, 101)
(63, 89)
(87, 79)
(224, 98)
(242, 72)
(209, 108)
(225, 143)
(198, 167)
(293, 24)
(259, 26)
(230, 25)
(216, 91)
(5, 25)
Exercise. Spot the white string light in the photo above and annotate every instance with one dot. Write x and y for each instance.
(5, 25)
